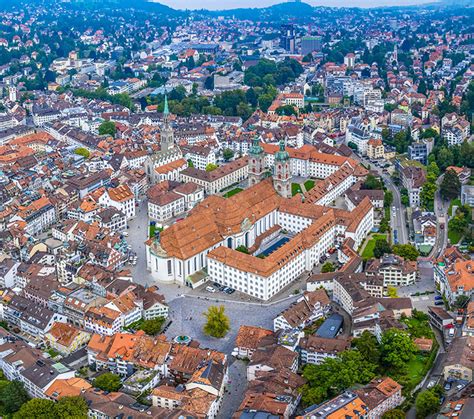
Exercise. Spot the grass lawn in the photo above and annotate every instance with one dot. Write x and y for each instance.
(295, 188)
(368, 251)
(415, 369)
(454, 203)
(232, 192)
(309, 184)
(454, 236)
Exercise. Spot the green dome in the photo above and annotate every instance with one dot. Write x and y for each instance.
(282, 154)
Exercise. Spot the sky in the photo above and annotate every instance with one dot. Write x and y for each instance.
(232, 4)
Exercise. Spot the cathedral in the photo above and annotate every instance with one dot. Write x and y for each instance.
(281, 168)
(169, 152)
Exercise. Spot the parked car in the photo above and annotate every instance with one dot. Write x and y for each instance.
(447, 386)
(439, 302)
(431, 384)
(216, 284)
(438, 297)
(210, 289)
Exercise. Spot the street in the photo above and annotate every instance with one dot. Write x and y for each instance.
(441, 210)
(397, 220)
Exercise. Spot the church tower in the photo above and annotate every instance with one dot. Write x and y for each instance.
(166, 135)
(282, 175)
(256, 162)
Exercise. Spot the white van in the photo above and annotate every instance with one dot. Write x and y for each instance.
(210, 289)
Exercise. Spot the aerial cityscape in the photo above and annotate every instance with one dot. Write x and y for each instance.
(236, 210)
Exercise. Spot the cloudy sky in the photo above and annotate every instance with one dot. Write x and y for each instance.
(231, 4)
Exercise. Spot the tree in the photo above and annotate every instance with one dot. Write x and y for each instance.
(427, 403)
(397, 349)
(82, 151)
(352, 145)
(13, 396)
(387, 199)
(242, 249)
(335, 375)
(381, 248)
(368, 346)
(406, 251)
(107, 128)
(152, 326)
(427, 195)
(37, 409)
(217, 323)
(394, 414)
(328, 267)
(227, 154)
(372, 183)
(392, 292)
(211, 166)
(108, 382)
(450, 187)
(286, 110)
(433, 168)
(72, 407)
(461, 301)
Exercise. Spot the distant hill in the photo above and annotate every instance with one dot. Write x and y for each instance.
(281, 11)
(126, 4)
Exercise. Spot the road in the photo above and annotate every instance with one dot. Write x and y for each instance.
(397, 219)
(441, 210)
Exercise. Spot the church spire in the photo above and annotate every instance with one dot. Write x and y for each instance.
(166, 110)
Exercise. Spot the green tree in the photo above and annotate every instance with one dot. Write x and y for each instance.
(328, 267)
(433, 168)
(72, 407)
(381, 248)
(334, 375)
(82, 151)
(406, 251)
(107, 128)
(372, 182)
(217, 323)
(427, 403)
(243, 249)
(461, 301)
(397, 349)
(450, 187)
(394, 414)
(152, 326)
(387, 199)
(368, 346)
(286, 110)
(211, 166)
(227, 154)
(37, 409)
(444, 158)
(108, 382)
(13, 396)
(405, 200)
(392, 292)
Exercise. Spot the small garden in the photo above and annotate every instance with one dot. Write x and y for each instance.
(295, 189)
(368, 251)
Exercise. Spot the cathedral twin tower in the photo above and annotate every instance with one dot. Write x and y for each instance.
(281, 167)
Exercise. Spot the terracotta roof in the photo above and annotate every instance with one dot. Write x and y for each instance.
(120, 193)
(250, 336)
(66, 388)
